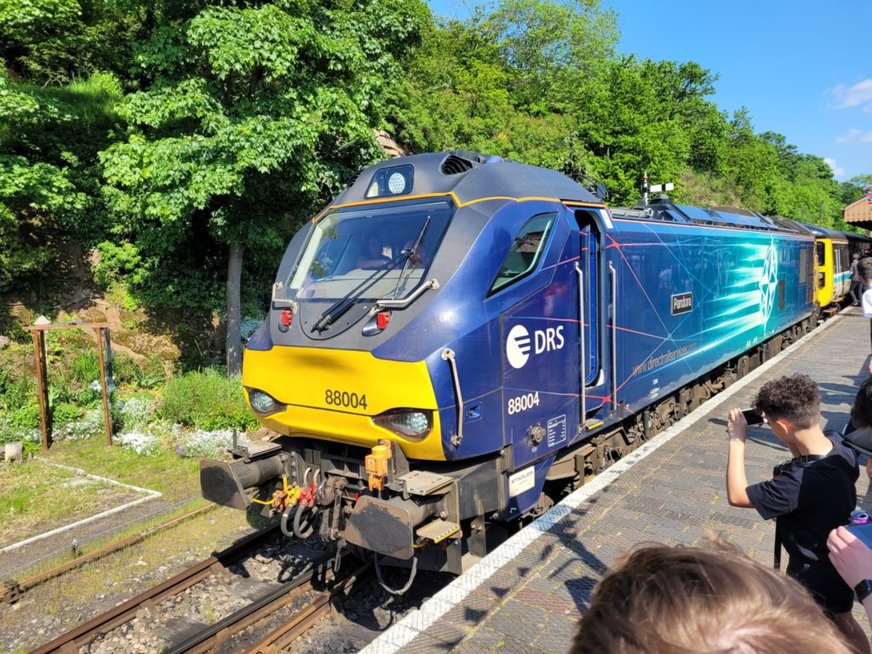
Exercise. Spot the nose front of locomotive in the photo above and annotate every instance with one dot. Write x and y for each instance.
(344, 396)
(357, 281)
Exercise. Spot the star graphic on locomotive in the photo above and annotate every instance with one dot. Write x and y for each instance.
(768, 283)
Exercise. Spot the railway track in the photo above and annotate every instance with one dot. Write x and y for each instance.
(217, 606)
(11, 590)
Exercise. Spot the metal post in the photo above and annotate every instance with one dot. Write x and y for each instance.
(106, 417)
(38, 331)
(42, 382)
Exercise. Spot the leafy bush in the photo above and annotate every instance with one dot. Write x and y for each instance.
(115, 262)
(127, 371)
(16, 391)
(65, 413)
(24, 418)
(85, 367)
(206, 400)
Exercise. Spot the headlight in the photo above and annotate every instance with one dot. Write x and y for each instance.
(263, 403)
(409, 423)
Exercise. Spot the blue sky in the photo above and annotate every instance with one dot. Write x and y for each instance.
(801, 68)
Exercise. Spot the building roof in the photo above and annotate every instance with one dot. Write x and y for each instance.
(859, 213)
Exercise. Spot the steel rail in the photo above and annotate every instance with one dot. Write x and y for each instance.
(14, 589)
(124, 612)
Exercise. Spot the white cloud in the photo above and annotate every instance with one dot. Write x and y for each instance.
(837, 169)
(855, 136)
(858, 95)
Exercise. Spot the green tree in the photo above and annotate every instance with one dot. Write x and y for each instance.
(49, 140)
(649, 116)
(53, 42)
(854, 188)
(507, 82)
(249, 117)
(56, 97)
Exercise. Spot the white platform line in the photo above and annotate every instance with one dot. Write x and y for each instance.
(418, 621)
(151, 495)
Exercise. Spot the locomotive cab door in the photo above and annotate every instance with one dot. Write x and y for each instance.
(589, 300)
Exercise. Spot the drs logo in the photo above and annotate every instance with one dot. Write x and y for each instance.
(519, 345)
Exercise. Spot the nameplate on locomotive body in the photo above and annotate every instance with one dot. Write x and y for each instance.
(682, 303)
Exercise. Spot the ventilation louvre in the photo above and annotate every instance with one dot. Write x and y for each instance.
(454, 165)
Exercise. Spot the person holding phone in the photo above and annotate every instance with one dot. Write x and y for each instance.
(851, 556)
(808, 496)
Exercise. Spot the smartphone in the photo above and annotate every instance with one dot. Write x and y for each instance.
(752, 417)
(862, 531)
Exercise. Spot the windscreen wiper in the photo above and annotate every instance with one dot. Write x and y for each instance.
(410, 252)
(343, 304)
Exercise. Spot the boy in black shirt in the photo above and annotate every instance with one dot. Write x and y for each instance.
(808, 496)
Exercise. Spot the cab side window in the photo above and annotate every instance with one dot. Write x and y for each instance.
(526, 251)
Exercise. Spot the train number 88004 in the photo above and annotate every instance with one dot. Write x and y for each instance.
(344, 399)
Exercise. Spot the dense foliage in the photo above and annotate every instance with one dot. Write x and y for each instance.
(539, 81)
(170, 148)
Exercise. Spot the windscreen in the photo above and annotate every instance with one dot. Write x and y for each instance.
(385, 251)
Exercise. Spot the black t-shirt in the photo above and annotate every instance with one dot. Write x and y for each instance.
(810, 497)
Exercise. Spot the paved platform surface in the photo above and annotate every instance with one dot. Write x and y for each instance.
(528, 596)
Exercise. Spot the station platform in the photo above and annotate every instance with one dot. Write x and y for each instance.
(528, 595)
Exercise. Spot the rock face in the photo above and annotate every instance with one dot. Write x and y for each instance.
(4, 342)
(389, 145)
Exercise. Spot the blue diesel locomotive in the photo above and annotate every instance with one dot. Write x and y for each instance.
(457, 339)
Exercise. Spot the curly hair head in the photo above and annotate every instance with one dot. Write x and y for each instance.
(688, 600)
(795, 398)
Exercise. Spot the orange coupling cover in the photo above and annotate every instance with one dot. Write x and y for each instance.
(376, 464)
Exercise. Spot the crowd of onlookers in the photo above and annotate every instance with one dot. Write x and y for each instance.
(688, 600)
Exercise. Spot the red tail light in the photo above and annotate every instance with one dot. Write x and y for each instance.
(286, 317)
(382, 318)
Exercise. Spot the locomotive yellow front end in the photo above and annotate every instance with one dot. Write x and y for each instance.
(345, 396)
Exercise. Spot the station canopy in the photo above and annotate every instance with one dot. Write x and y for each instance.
(859, 213)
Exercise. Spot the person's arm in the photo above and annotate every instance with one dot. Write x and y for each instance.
(852, 559)
(737, 481)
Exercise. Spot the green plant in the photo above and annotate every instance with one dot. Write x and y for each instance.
(85, 367)
(127, 372)
(206, 400)
(134, 411)
(115, 262)
(65, 413)
(118, 293)
(24, 418)
(16, 391)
